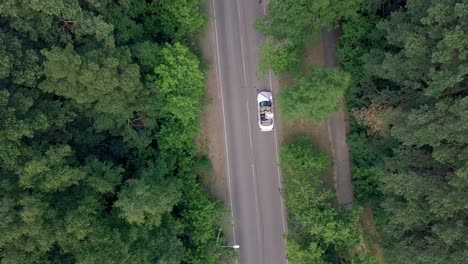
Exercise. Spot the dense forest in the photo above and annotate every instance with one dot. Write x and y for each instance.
(409, 140)
(99, 111)
(407, 98)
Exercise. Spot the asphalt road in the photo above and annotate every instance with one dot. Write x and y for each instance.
(251, 156)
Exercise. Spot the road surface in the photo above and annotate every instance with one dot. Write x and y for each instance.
(251, 156)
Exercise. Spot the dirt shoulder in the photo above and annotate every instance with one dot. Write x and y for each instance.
(211, 140)
(370, 235)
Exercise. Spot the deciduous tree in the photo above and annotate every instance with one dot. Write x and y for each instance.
(314, 96)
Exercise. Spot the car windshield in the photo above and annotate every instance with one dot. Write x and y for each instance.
(265, 103)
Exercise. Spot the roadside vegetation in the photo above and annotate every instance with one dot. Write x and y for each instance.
(289, 26)
(318, 232)
(99, 114)
(314, 96)
(408, 99)
(292, 23)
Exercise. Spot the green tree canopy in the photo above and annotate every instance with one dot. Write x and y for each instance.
(90, 169)
(147, 199)
(290, 24)
(109, 85)
(317, 232)
(417, 73)
(314, 96)
(297, 20)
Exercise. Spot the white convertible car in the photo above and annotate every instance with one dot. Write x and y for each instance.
(265, 111)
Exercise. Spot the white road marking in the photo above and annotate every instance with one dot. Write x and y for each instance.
(220, 80)
(249, 125)
(279, 171)
(285, 228)
(260, 237)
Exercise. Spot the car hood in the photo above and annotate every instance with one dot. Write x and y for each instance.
(264, 96)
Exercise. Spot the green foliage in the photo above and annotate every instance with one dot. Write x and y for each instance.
(292, 23)
(278, 57)
(317, 232)
(145, 200)
(109, 84)
(366, 153)
(315, 96)
(50, 172)
(17, 121)
(98, 117)
(365, 182)
(302, 160)
(425, 201)
(428, 36)
(296, 20)
(441, 126)
(54, 21)
(201, 221)
(300, 254)
(358, 36)
(363, 258)
(180, 83)
(417, 70)
(180, 18)
(160, 21)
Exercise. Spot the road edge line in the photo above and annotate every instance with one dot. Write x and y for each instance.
(252, 152)
(226, 149)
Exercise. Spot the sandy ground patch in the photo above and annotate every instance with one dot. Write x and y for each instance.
(370, 234)
(211, 140)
